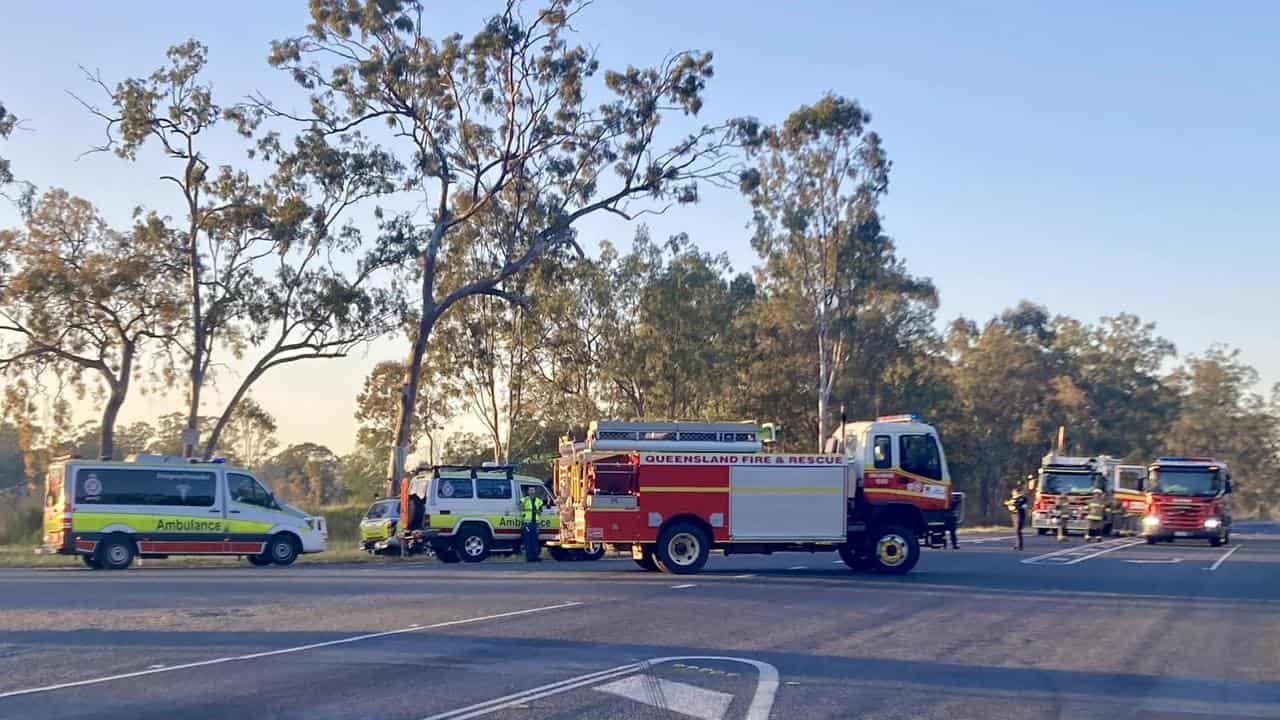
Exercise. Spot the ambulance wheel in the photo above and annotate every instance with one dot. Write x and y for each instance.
(282, 549)
(448, 556)
(115, 552)
(259, 560)
(592, 552)
(647, 561)
(683, 548)
(91, 562)
(894, 550)
(473, 544)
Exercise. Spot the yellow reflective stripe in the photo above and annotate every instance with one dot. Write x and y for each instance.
(86, 521)
(497, 522)
(783, 490)
(907, 493)
(681, 489)
(904, 473)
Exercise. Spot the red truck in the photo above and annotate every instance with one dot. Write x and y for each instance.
(672, 492)
(1188, 497)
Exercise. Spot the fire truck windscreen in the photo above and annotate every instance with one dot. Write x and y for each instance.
(1066, 483)
(1190, 482)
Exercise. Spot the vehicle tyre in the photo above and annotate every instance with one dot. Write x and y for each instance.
(560, 554)
(262, 560)
(592, 552)
(91, 562)
(1151, 541)
(1215, 542)
(473, 543)
(116, 552)
(894, 550)
(1042, 531)
(1226, 539)
(853, 559)
(647, 561)
(683, 548)
(448, 556)
(282, 549)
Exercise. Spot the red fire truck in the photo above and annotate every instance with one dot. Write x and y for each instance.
(1187, 498)
(672, 492)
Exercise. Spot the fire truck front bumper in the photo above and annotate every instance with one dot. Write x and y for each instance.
(1046, 521)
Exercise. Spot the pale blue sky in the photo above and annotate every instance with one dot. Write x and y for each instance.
(1093, 157)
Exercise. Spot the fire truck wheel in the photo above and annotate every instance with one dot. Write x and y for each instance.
(855, 561)
(648, 562)
(1042, 531)
(682, 549)
(593, 552)
(1215, 542)
(895, 550)
(1151, 541)
(559, 554)
(473, 543)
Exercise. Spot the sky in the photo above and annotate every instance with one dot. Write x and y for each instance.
(1093, 157)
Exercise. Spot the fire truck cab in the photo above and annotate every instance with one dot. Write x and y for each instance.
(1077, 477)
(673, 491)
(1188, 498)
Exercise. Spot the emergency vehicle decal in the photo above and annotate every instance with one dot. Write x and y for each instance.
(896, 482)
(748, 459)
(502, 525)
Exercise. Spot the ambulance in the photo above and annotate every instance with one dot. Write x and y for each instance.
(152, 506)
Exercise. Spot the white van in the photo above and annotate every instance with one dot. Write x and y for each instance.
(154, 506)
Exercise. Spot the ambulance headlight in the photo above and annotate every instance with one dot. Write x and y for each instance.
(1212, 524)
(1151, 521)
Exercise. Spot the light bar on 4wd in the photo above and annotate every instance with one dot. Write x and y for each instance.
(907, 417)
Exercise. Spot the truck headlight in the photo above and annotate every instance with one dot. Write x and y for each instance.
(1151, 521)
(1212, 524)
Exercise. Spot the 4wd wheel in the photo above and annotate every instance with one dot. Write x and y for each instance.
(647, 561)
(282, 549)
(91, 562)
(895, 550)
(683, 548)
(116, 552)
(448, 556)
(259, 560)
(473, 544)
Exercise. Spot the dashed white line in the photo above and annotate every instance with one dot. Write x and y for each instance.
(284, 651)
(743, 576)
(798, 567)
(1224, 557)
(682, 587)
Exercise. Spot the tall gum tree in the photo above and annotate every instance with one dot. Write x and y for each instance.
(497, 133)
(81, 297)
(266, 260)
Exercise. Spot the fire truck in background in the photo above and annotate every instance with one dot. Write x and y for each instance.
(1187, 498)
(1076, 478)
(673, 491)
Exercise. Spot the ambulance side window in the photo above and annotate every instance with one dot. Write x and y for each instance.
(244, 489)
(491, 489)
(919, 456)
(448, 488)
(882, 452)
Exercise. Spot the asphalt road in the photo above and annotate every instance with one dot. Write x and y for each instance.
(1118, 630)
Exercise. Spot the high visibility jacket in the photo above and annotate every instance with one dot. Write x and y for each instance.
(1097, 509)
(530, 509)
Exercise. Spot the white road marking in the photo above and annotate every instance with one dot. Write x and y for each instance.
(681, 587)
(759, 709)
(838, 562)
(1224, 557)
(1080, 553)
(744, 576)
(670, 695)
(1169, 561)
(284, 651)
(798, 567)
(990, 539)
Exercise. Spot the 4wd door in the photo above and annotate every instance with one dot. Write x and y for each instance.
(251, 513)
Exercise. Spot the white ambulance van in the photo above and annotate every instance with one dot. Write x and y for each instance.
(153, 506)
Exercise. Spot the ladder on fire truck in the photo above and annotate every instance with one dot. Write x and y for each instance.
(728, 437)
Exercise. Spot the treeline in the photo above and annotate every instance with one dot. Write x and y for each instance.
(434, 189)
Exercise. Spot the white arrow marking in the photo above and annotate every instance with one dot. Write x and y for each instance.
(1170, 561)
(677, 697)
(1223, 559)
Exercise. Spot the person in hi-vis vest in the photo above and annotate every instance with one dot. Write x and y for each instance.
(530, 511)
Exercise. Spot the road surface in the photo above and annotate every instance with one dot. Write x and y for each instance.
(1117, 630)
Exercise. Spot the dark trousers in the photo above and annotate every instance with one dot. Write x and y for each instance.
(529, 536)
(1018, 521)
(951, 532)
